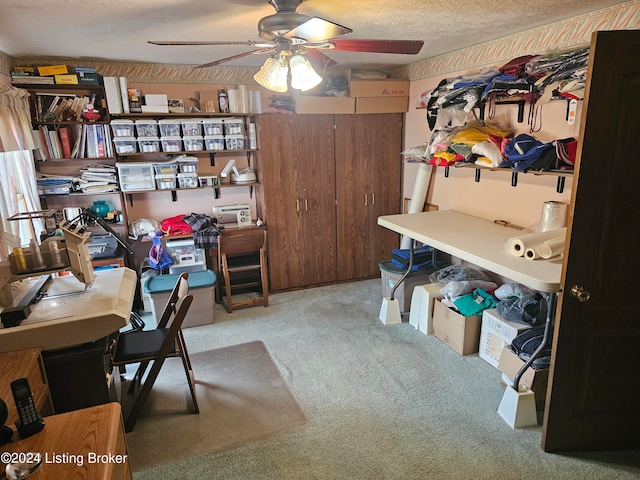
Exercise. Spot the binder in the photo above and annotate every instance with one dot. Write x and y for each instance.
(112, 92)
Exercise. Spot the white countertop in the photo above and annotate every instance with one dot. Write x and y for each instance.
(477, 241)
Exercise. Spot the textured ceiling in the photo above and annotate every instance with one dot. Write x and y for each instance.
(118, 30)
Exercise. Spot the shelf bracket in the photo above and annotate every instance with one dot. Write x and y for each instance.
(174, 196)
(130, 197)
(477, 175)
(216, 193)
(514, 179)
(212, 159)
(446, 171)
(560, 186)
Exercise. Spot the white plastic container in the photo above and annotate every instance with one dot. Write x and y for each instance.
(214, 142)
(234, 142)
(169, 128)
(188, 166)
(171, 144)
(125, 145)
(191, 127)
(233, 126)
(136, 176)
(165, 168)
(147, 128)
(187, 180)
(193, 143)
(122, 128)
(213, 126)
(148, 144)
(165, 182)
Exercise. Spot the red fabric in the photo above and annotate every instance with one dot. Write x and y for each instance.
(175, 226)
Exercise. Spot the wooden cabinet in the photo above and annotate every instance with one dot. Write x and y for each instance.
(325, 180)
(368, 170)
(297, 198)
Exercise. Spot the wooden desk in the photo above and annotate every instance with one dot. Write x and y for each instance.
(24, 364)
(84, 444)
(75, 319)
(477, 241)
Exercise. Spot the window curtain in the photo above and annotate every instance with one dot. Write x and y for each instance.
(17, 170)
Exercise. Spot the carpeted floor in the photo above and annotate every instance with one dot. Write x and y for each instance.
(241, 396)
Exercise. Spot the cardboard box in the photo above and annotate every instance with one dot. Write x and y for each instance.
(66, 79)
(422, 300)
(88, 78)
(52, 70)
(379, 88)
(495, 334)
(382, 104)
(309, 104)
(535, 380)
(461, 333)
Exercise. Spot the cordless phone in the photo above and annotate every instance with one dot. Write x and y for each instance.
(30, 421)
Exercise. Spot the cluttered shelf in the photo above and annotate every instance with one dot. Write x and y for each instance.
(187, 152)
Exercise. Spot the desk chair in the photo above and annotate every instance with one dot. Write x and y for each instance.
(144, 346)
(243, 251)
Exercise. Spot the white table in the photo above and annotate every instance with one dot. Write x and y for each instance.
(71, 319)
(478, 241)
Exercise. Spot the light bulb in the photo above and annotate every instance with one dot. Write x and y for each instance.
(303, 76)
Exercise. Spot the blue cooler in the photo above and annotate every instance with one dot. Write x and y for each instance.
(200, 286)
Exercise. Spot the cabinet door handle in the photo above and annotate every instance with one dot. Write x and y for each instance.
(373, 199)
(297, 205)
(306, 205)
(366, 198)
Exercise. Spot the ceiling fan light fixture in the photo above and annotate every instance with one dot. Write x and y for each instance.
(303, 76)
(273, 75)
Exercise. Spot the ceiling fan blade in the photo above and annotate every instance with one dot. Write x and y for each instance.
(235, 57)
(316, 29)
(407, 47)
(250, 43)
(319, 60)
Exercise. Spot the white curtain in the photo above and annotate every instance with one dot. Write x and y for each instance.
(18, 191)
(19, 194)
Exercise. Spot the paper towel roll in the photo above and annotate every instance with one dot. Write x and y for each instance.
(244, 100)
(553, 216)
(551, 248)
(255, 100)
(518, 245)
(531, 254)
(234, 100)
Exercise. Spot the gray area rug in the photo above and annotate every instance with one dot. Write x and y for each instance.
(241, 396)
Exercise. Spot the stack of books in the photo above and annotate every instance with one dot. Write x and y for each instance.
(98, 178)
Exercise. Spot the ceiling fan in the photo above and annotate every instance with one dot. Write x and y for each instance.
(290, 32)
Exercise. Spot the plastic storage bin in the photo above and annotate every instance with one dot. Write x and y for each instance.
(187, 180)
(122, 128)
(214, 142)
(165, 168)
(193, 143)
(147, 128)
(233, 126)
(169, 128)
(171, 144)
(148, 144)
(165, 182)
(234, 142)
(201, 285)
(125, 145)
(391, 274)
(191, 127)
(212, 126)
(136, 176)
(188, 165)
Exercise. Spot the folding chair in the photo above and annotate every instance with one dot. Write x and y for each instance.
(243, 251)
(145, 346)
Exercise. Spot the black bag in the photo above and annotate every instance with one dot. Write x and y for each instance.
(527, 342)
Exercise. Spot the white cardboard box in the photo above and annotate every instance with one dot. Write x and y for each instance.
(422, 306)
(495, 333)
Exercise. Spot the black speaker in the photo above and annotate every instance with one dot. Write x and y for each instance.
(5, 432)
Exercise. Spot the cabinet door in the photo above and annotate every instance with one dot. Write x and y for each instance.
(368, 168)
(299, 198)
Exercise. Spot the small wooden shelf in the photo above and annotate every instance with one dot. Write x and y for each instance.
(185, 152)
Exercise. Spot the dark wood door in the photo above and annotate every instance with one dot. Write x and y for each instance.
(593, 398)
(299, 198)
(368, 169)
